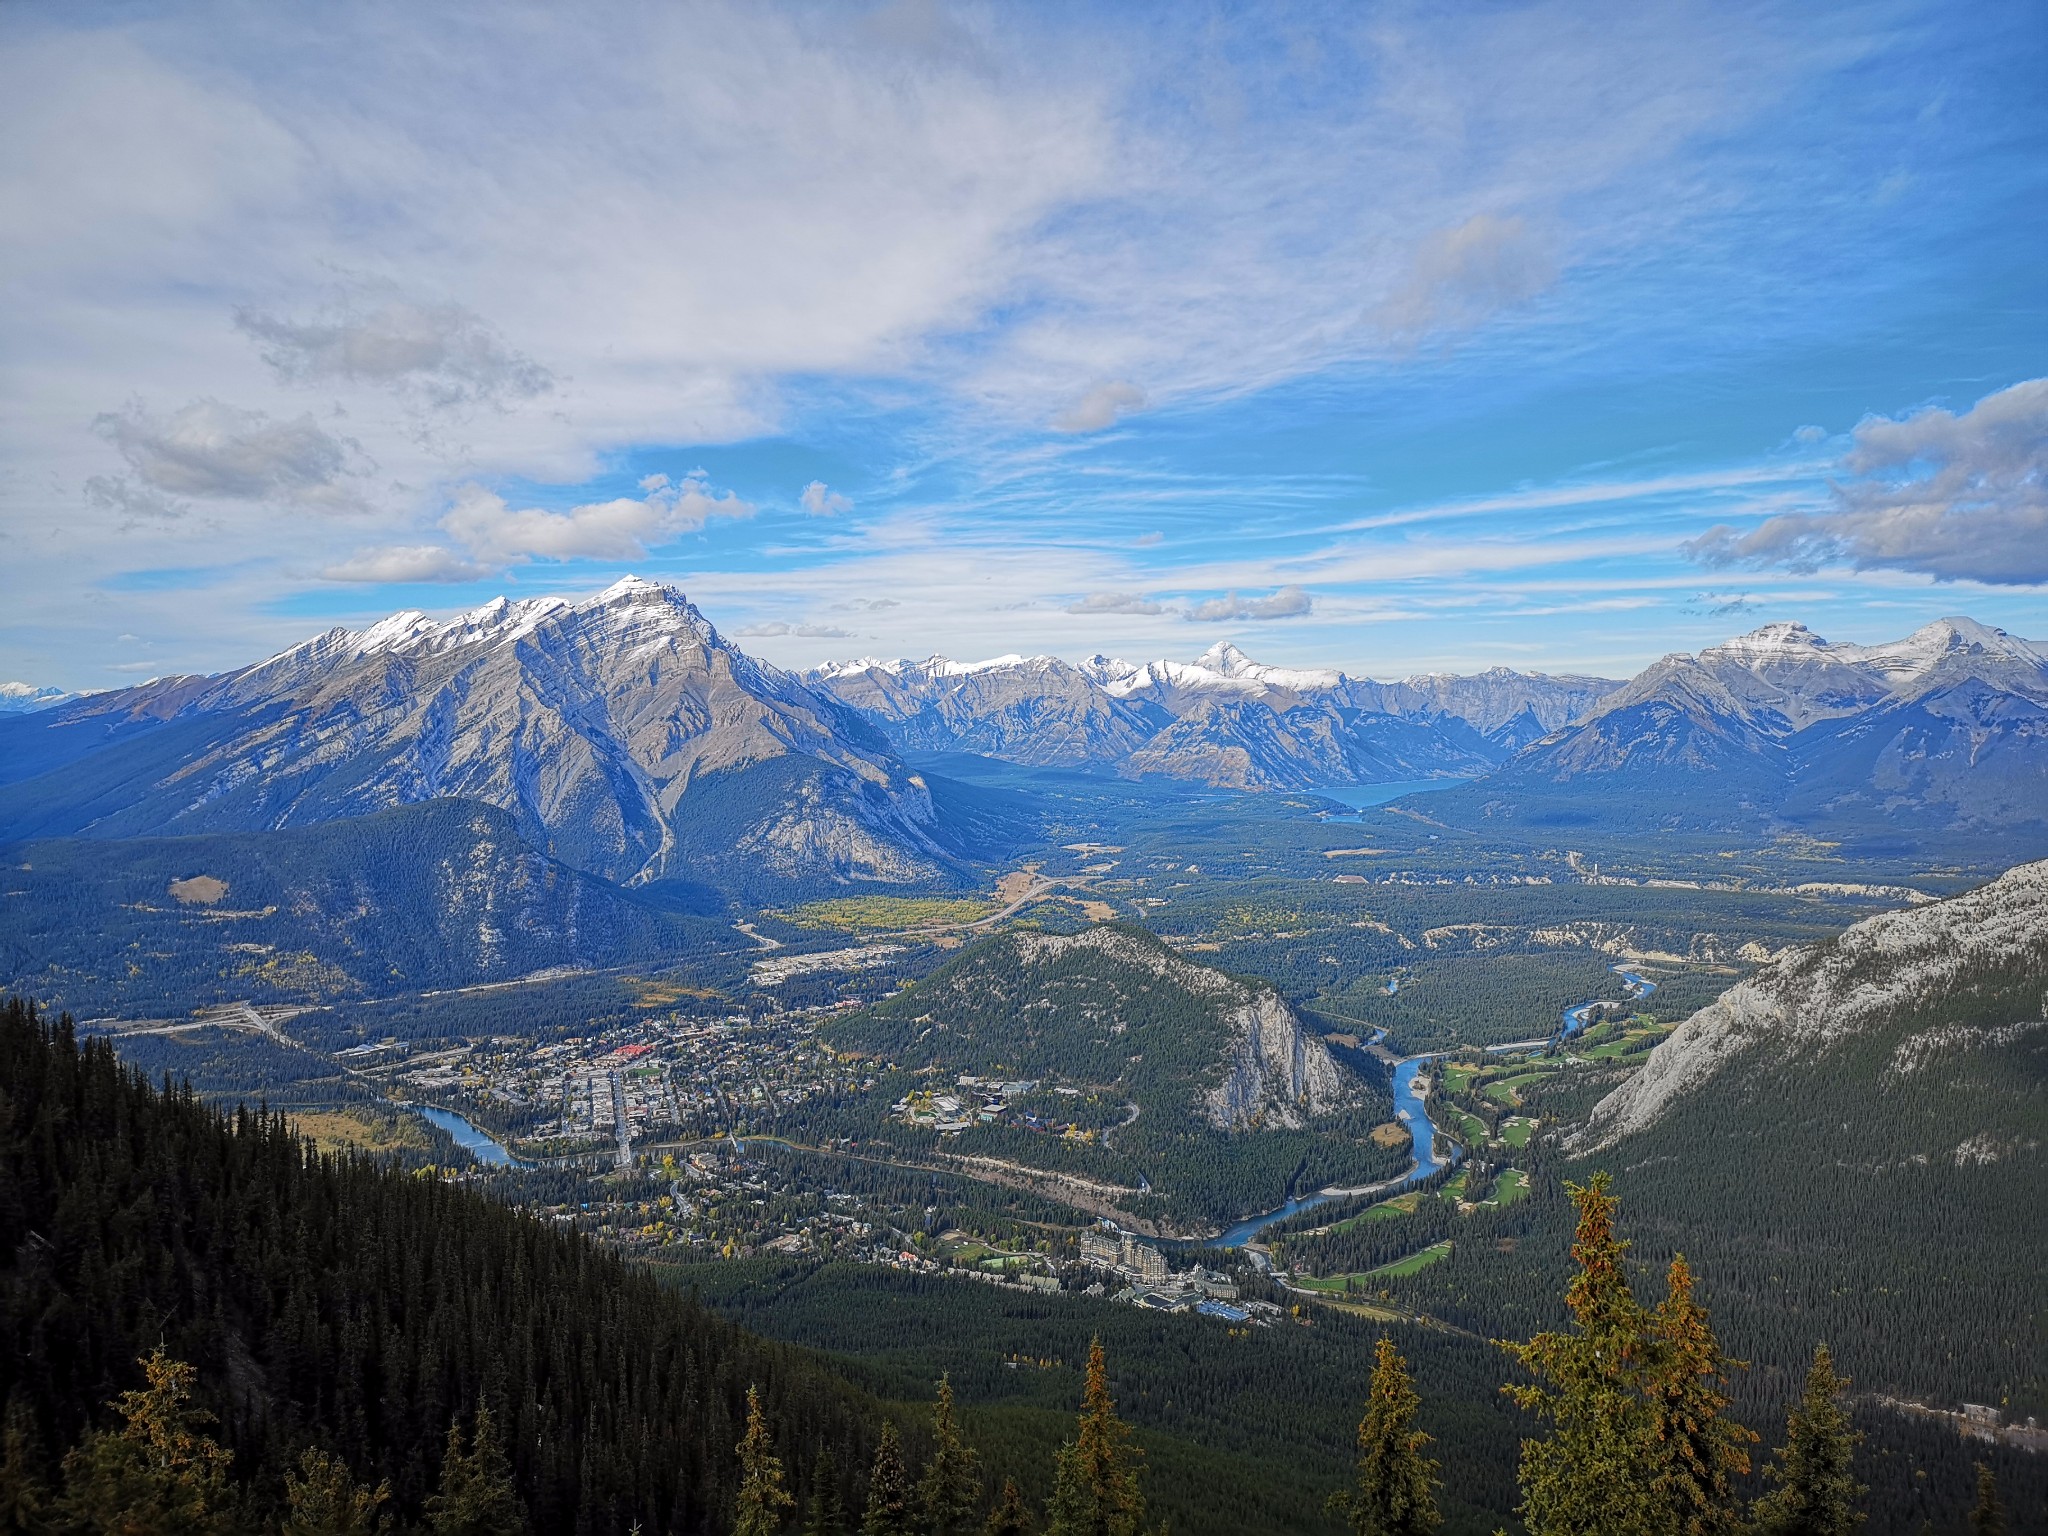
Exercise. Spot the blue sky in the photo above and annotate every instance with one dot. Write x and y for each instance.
(1397, 338)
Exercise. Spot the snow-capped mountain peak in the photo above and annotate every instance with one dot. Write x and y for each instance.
(1770, 643)
(596, 724)
(25, 698)
(1902, 661)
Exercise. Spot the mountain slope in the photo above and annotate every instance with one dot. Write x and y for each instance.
(1852, 1142)
(1037, 710)
(625, 736)
(1906, 990)
(26, 698)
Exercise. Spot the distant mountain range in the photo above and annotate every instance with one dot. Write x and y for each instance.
(1221, 719)
(627, 738)
(1947, 727)
(26, 698)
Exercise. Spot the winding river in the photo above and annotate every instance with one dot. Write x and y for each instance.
(1411, 1110)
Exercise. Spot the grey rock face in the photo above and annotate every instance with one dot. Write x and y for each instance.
(1278, 1073)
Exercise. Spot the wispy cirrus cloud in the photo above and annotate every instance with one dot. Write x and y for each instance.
(776, 628)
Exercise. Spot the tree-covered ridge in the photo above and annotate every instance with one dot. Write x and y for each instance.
(336, 1304)
(1210, 1097)
(440, 894)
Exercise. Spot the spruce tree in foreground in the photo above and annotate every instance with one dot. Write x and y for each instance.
(950, 1491)
(1816, 1494)
(1009, 1517)
(825, 1515)
(476, 1496)
(1987, 1516)
(1700, 1453)
(888, 1508)
(1595, 1475)
(1095, 1476)
(160, 1474)
(762, 1496)
(326, 1500)
(1395, 1494)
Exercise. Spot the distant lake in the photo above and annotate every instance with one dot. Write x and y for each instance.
(1361, 796)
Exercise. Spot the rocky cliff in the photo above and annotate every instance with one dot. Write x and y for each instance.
(1894, 996)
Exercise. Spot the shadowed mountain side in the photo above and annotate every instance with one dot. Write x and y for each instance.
(435, 895)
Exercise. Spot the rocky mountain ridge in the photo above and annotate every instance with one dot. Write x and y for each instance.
(1948, 726)
(1221, 719)
(1889, 980)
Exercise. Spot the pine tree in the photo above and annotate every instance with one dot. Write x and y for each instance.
(1700, 1453)
(24, 1491)
(1816, 1493)
(888, 1507)
(1095, 1478)
(1009, 1517)
(825, 1515)
(1987, 1517)
(326, 1501)
(762, 1496)
(1593, 1476)
(950, 1490)
(1396, 1490)
(160, 1474)
(476, 1496)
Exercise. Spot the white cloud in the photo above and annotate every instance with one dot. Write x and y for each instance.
(1955, 497)
(217, 452)
(405, 562)
(821, 501)
(621, 529)
(1287, 603)
(1103, 406)
(443, 355)
(775, 628)
(1462, 276)
(1115, 602)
